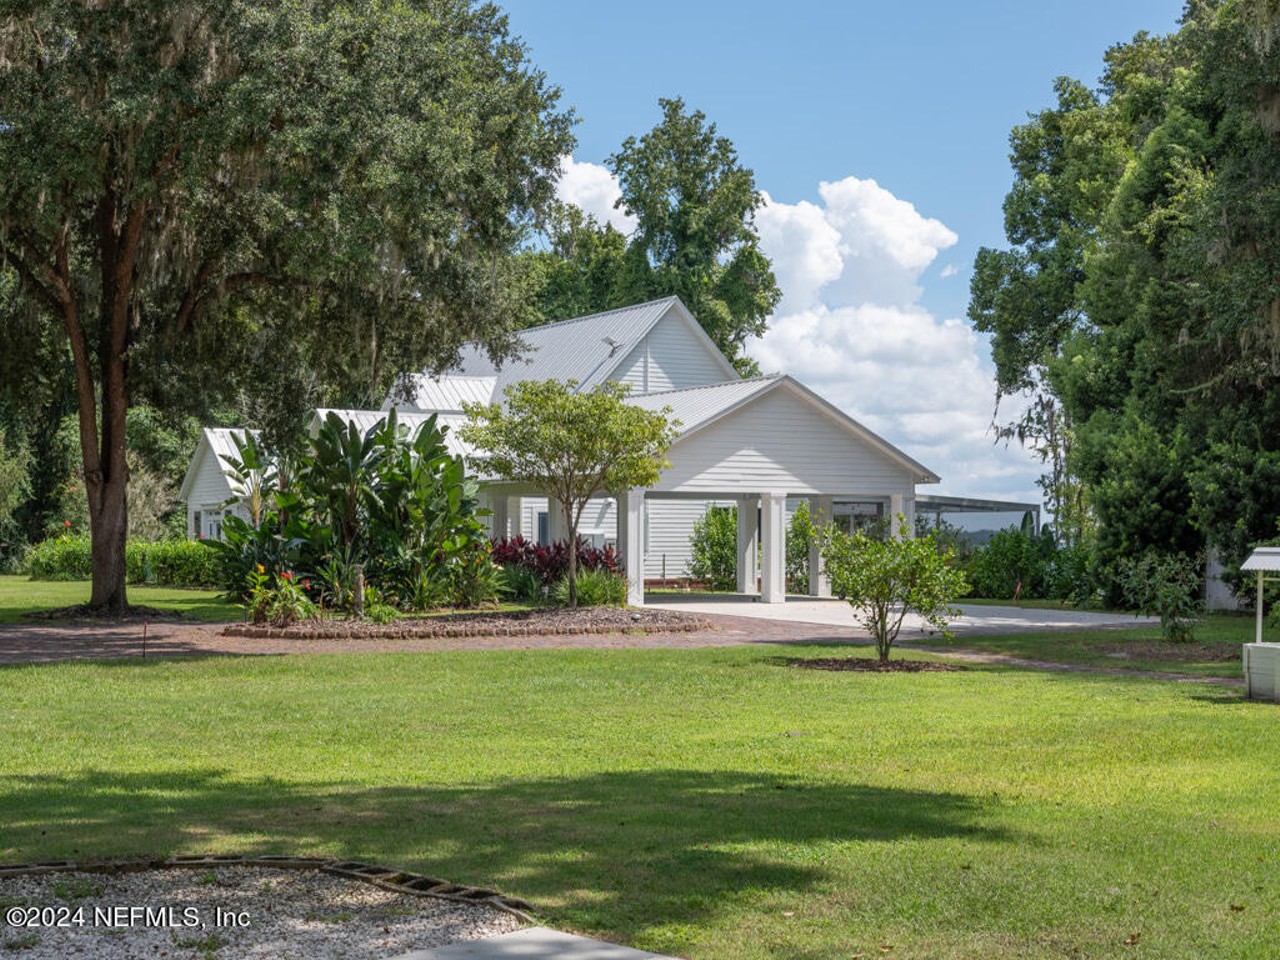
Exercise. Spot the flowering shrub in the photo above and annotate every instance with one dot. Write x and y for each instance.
(550, 561)
(279, 600)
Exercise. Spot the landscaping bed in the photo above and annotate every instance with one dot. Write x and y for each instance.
(516, 623)
(867, 665)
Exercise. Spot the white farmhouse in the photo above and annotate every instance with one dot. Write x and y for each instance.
(755, 442)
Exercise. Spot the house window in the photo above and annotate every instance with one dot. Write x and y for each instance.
(544, 530)
(212, 523)
(196, 519)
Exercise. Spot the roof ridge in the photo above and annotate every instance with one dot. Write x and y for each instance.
(602, 313)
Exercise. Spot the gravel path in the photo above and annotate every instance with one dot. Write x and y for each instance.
(230, 912)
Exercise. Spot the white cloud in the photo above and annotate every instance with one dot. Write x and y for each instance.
(594, 189)
(851, 326)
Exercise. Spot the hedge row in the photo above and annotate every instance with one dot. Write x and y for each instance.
(166, 563)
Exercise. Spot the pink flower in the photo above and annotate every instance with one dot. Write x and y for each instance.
(66, 523)
(287, 575)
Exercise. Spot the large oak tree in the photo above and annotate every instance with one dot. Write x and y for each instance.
(289, 193)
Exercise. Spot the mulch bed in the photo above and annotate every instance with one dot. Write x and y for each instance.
(867, 665)
(519, 623)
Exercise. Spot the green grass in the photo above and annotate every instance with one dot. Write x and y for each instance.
(20, 596)
(1214, 653)
(705, 803)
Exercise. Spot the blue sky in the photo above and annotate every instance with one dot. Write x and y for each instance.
(918, 98)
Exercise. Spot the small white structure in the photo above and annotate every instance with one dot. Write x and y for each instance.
(206, 488)
(1262, 660)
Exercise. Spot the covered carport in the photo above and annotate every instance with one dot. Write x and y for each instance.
(757, 443)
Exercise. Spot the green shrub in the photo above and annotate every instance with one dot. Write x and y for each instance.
(60, 558)
(1166, 585)
(596, 588)
(1010, 563)
(886, 579)
(166, 563)
(714, 545)
(798, 533)
(173, 563)
(522, 583)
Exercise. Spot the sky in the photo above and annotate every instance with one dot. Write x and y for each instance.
(878, 134)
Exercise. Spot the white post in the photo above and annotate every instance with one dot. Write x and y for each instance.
(748, 529)
(821, 514)
(773, 562)
(500, 522)
(557, 526)
(899, 504)
(1259, 611)
(631, 542)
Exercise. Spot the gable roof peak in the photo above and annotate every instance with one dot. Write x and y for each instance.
(646, 305)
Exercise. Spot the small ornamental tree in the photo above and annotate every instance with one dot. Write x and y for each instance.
(570, 445)
(885, 580)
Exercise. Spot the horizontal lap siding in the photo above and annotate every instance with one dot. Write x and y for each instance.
(781, 443)
(210, 486)
(670, 527)
(677, 358)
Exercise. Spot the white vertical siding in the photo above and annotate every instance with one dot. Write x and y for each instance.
(780, 442)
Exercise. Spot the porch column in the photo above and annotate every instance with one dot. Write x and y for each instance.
(557, 528)
(631, 542)
(822, 513)
(500, 522)
(900, 504)
(773, 560)
(748, 532)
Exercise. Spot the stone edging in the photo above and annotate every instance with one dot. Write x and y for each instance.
(446, 631)
(396, 881)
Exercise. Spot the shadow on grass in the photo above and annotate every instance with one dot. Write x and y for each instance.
(613, 852)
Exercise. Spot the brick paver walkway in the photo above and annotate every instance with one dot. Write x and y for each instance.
(42, 643)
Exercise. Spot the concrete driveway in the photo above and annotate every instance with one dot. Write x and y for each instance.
(975, 618)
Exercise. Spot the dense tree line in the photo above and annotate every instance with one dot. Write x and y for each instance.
(1138, 301)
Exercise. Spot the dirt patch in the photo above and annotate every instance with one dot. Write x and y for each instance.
(1162, 650)
(83, 613)
(521, 623)
(867, 665)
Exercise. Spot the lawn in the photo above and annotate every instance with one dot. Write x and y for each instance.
(1215, 652)
(19, 596)
(706, 803)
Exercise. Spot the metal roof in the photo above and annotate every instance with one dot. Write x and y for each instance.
(694, 406)
(586, 349)
(1263, 558)
(446, 393)
(946, 504)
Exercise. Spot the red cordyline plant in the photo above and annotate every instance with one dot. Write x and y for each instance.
(550, 561)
